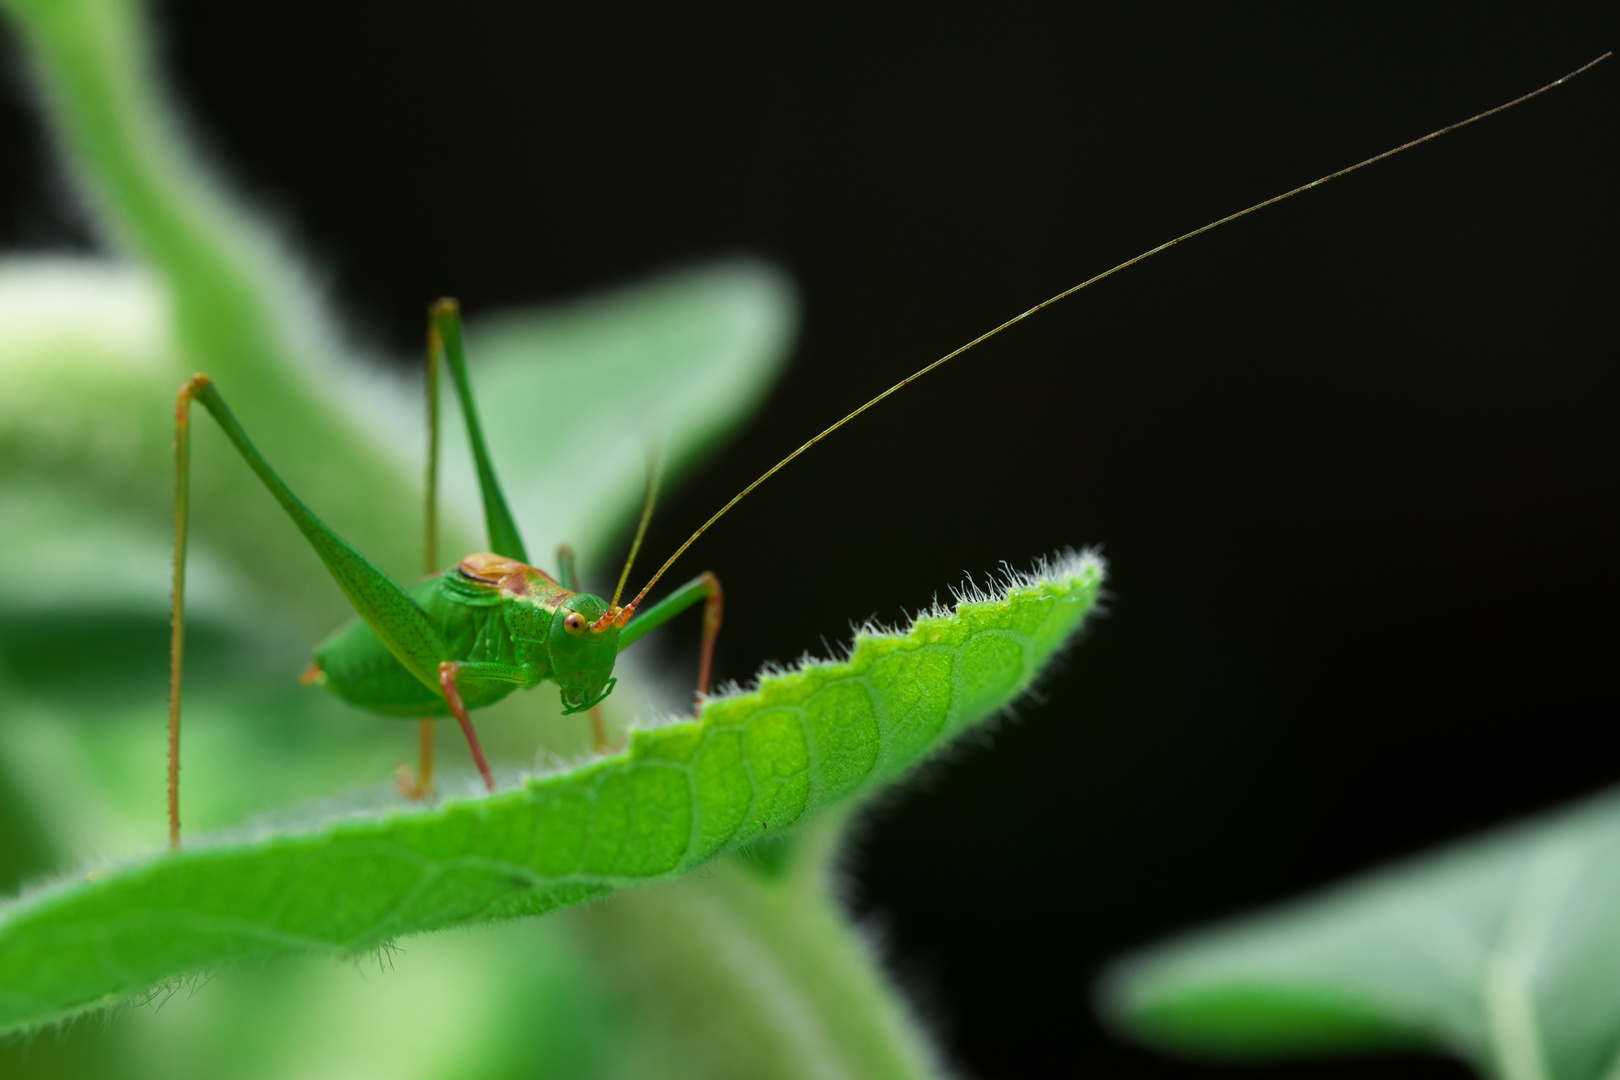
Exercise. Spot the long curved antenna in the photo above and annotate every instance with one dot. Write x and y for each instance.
(654, 471)
(908, 380)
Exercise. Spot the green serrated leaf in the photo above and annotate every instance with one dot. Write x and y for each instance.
(1501, 950)
(752, 765)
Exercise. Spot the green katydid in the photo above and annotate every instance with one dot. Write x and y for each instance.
(468, 636)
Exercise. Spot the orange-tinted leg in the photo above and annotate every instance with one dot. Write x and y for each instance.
(713, 607)
(177, 625)
(419, 785)
(705, 587)
(458, 709)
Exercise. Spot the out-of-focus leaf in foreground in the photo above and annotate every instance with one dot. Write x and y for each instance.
(1502, 950)
(752, 765)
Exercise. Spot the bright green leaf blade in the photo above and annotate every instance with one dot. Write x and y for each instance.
(753, 765)
(1502, 950)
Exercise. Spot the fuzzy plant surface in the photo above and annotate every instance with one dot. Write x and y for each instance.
(751, 765)
(746, 968)
(1501, 951)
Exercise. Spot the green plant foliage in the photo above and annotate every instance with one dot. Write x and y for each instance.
(746, 968)
(751, 765)
(87, 476)
(678, 362)
(88, 376)
(675, 363)
(1501, 950)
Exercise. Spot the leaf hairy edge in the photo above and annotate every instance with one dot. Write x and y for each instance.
(1500, 950)
(755, 762)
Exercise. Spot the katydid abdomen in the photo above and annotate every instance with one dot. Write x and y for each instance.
(493, 615)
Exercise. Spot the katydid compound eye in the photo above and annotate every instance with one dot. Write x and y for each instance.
(575, 623)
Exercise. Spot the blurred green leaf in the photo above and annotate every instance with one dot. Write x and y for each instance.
(235, 300)
(88, 486)
(519, 999)
(1500, 950)
(752, 765)
(575, 396)
(88, 375)
(675, 363)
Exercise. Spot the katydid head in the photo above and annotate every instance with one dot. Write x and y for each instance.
(581, 652)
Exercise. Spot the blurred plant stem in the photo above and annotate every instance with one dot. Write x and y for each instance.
(753, 971)
(241, 308)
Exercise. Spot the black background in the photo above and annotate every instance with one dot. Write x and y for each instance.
(1353, 460)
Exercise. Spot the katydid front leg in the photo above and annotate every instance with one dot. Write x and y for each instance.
(704, 587)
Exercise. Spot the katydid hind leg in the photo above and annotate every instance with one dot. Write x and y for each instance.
(177, 615)
(444, 335)
(396, 619)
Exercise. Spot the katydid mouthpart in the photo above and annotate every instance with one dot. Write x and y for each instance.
(466, 637)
